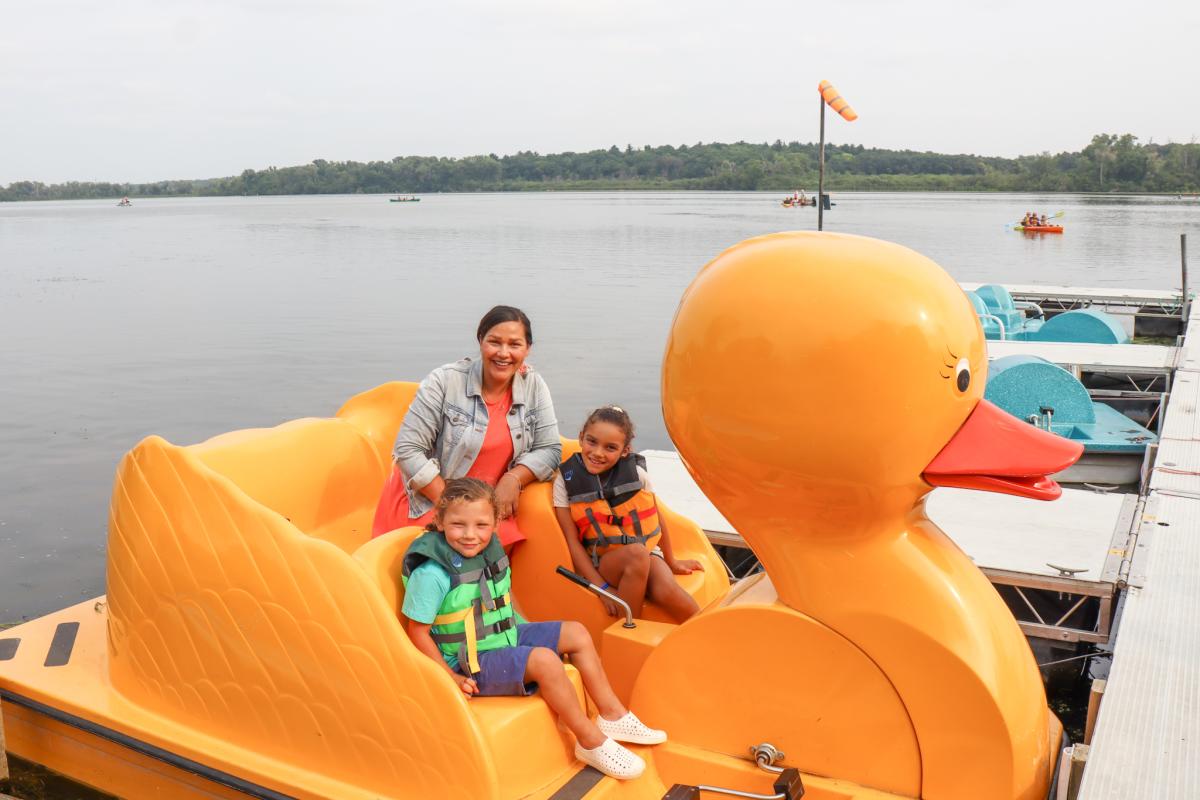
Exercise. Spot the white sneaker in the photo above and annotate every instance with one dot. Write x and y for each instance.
(630, 729)
(612, 759)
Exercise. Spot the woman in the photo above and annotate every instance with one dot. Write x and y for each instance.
(489, 417)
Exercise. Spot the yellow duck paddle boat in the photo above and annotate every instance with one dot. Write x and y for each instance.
(250, 642)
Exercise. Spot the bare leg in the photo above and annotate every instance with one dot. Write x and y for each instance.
(546, 668)
(665, 591)
(627, 569)
(575, 641)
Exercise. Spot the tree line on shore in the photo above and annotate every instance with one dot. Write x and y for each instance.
(1110, 163)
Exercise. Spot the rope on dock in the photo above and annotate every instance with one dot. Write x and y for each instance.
(1100, 654)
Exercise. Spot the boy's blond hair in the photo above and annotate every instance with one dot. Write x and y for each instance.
(462, 490)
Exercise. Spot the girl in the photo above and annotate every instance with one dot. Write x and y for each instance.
(460, 614)
(607, 511)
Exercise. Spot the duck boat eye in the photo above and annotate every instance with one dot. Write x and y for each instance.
(962, 374)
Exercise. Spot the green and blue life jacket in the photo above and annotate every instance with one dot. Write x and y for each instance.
(476, 615)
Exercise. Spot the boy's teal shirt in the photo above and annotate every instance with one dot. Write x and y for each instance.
(427, 588)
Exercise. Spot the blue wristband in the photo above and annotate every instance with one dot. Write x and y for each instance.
(605, 585)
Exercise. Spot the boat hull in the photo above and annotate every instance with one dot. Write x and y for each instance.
(98, 761)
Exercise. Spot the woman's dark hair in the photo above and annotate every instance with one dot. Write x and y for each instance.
(500, 314)
(614, 415)
(462, 490)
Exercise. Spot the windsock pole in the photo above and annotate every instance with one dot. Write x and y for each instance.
(821, 171)
(830, 96)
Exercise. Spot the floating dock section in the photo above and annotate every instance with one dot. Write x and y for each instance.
(1147, 738)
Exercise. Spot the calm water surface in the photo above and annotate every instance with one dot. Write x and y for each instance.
(191, 317)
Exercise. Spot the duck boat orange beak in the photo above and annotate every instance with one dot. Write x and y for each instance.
(994, 451)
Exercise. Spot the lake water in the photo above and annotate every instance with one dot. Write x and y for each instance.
(191, 317)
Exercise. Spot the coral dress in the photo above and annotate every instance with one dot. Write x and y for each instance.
(491, 463)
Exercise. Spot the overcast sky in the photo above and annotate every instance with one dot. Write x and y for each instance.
(143, 90)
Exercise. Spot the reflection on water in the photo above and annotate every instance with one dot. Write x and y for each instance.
(190, 317)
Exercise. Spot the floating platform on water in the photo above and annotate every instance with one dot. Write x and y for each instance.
(1119, 359)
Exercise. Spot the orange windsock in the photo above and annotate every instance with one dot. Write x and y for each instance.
(835, 101)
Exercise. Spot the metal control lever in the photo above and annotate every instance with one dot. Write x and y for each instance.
(585, 583)
(788, 786)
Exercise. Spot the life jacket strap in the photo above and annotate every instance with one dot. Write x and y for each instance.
(625, 538)
(493, 570)
(594, 520)
(508, 623)
(589, 519)
(473, 631)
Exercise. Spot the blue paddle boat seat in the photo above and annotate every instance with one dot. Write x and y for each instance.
(1000, 304)
(1003, 318)
(1046, 395)
(993, 326)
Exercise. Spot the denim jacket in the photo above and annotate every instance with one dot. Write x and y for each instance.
(443, 431)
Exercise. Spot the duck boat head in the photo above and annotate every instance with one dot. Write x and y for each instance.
(818, 386)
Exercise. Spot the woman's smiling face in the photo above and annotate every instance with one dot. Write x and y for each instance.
(503, 349)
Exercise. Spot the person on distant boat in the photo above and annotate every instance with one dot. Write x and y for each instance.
(609, 515)
(488, 416)
(1043, 220)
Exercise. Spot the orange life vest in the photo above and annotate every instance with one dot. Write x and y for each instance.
(611, 510)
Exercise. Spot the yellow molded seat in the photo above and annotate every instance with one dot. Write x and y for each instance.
(516, 728)
(322, 475)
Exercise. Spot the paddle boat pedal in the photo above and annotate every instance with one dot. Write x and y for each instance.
(1049, 397)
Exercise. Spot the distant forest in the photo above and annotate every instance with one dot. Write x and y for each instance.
(1110, 163)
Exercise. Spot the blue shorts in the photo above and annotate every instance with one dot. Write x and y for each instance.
(502, 671)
